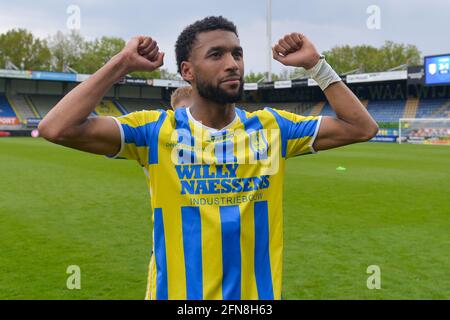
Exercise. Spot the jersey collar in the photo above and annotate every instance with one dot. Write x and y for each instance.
(211, 130)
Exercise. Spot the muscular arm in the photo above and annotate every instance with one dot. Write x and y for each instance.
(353, 123)
(68, 124)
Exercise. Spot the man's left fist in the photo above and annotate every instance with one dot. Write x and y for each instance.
(296, 50)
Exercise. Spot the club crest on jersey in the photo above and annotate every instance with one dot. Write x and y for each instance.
(258, 144)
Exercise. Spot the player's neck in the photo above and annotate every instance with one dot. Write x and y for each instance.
(212, 114)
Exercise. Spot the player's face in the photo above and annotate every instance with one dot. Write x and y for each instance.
(218, 66)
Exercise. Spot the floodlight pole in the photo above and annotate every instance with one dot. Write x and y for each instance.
(269, 40)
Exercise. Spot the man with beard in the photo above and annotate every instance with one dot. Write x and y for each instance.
(216, 172)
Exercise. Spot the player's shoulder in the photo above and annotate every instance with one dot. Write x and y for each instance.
(284, 115)
(267, 113)
(145, 116)
(278, 118)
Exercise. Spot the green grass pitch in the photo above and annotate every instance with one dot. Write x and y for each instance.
(391, 208)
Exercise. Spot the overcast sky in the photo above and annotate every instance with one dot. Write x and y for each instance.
(326, 22)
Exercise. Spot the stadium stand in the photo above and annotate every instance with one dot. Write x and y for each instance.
(387, 96)
(386, 110)
(131, 105)
(382, 110)
(6, 111)
(107, 108)
(22, 106)
(8, 117)
(317, 108)
(393, 110)
(37, 106)
(326, 110)
(434, 108)
(120, 106)
(43, 103)
(411, 108)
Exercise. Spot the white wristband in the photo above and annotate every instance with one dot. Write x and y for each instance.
(323, 74)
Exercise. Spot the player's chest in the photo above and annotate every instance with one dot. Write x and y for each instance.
(228, 146)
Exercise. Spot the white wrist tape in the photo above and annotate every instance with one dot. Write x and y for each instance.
(323, 74)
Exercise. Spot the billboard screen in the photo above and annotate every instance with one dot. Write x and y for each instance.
(437, 70)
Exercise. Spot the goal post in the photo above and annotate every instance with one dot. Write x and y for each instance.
(424, 131)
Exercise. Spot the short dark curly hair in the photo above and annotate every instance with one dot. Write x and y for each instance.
(186, 39)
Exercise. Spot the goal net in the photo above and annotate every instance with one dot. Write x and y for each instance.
(424, 131)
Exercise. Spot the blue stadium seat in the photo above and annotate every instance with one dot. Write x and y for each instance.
(5, 108)
(433, 108)
(381, 110)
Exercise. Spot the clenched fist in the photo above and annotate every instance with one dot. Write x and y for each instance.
(296, 50)
(142, 54)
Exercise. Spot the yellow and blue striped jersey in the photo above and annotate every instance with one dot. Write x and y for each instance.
(216, 197)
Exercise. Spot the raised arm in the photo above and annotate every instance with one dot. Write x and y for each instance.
(68, 124)
(353, 123)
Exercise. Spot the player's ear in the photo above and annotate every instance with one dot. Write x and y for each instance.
(187, 72)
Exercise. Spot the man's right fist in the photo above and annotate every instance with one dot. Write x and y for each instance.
(142, 54)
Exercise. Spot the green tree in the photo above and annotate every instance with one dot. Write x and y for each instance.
(24, 50)
(165, 74)
(255, 77)
(96, 53)
(394, 54)
(156, 74)
(371, 59)
(67, 50)
(88, 56)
